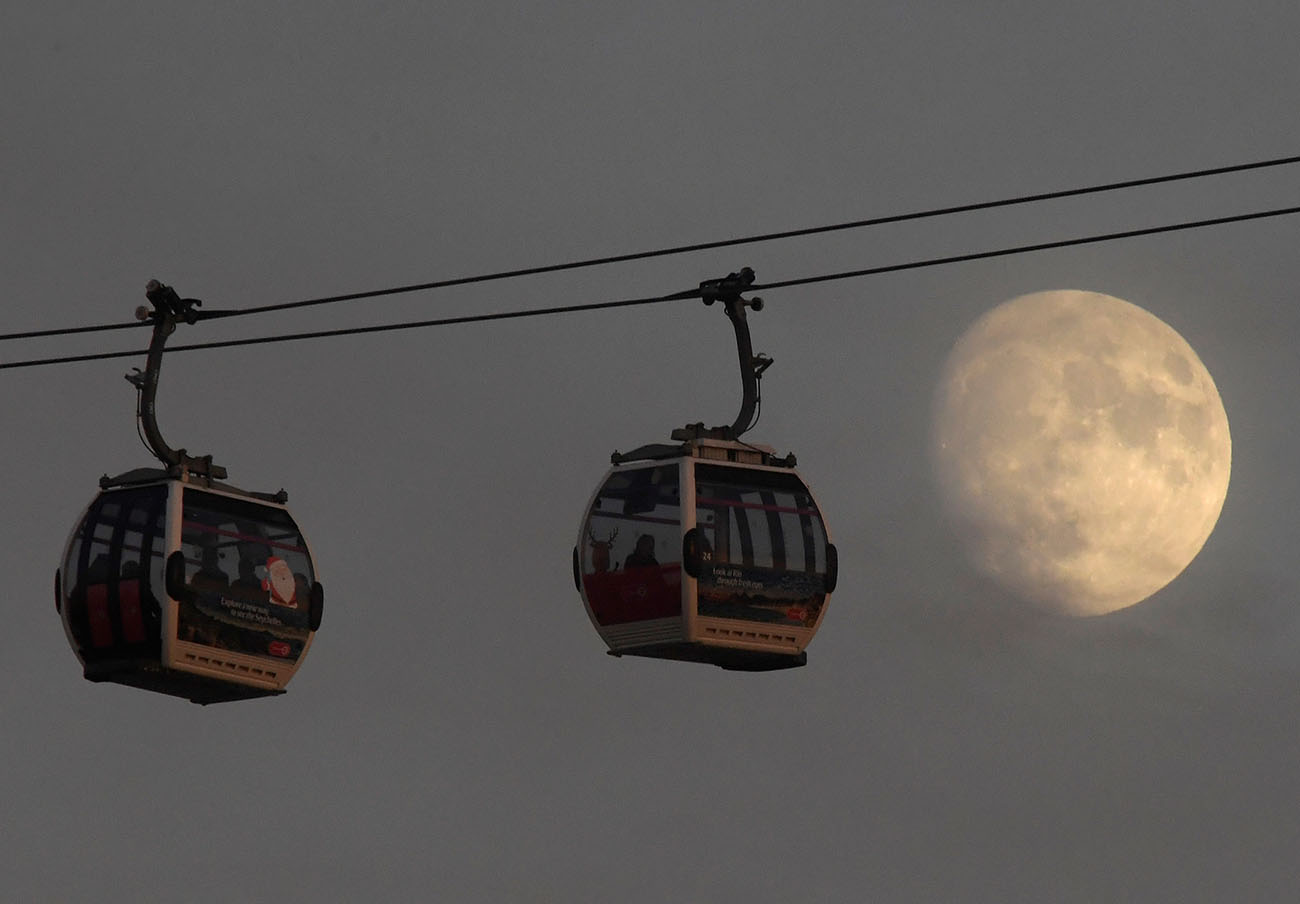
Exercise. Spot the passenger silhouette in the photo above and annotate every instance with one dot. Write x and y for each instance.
(643, 554)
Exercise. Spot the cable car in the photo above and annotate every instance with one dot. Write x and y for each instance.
(177, 582)
(709, 549)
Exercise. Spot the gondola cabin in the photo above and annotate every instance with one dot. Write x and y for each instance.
(188, 587)
(711, 551)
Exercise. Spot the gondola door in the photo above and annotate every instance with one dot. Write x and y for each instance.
(241, 591)
(764, 566)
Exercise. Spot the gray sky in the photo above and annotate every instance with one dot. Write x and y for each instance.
(457, 732)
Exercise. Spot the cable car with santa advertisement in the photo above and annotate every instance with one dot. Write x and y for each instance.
(709, 549)
(177, 582)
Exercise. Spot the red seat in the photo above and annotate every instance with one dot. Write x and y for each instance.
(128, 596)
(101, 626)
(636, 594)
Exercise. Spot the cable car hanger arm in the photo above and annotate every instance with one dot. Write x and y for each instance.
(727, 290)
(168, 309)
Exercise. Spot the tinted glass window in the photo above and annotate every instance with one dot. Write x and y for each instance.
(768, 543)
(112, 572)
(249, 574)
(631, 546)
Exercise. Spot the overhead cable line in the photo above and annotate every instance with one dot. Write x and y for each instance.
(771, 236)
(677, 296)
(684, 249)
(1025, 249)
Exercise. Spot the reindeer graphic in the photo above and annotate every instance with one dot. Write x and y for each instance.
(600, 550)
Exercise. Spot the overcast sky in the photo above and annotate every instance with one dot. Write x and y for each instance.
(457, 732)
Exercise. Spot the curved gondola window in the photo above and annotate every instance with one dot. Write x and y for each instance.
(768, 542)
(112, 575)
(631, 546)
(249, 575)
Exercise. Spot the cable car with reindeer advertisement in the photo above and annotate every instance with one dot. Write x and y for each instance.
(709, 549)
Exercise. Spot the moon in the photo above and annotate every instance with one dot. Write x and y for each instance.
(1080, 449)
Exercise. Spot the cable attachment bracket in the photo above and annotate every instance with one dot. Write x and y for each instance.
(728, 289)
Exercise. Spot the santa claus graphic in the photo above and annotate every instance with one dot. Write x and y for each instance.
(279, 581)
